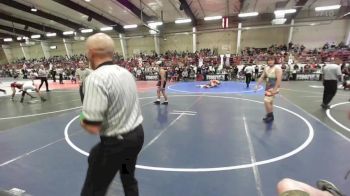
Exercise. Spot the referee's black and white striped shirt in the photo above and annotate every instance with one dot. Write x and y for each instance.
(111, 98)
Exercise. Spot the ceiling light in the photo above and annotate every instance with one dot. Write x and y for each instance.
(19, 38)
(106, 29)
(242, 15)
(51, 34)
(130, 26)
(181, 21)
(154, 24)
(25, 38)
(53, 47)
(33, 9)
(290, 11)
(87, 0)
(213, 18)
(86, 30)
(68, 33)
(35, 36)
(8, 40)
(324, 8)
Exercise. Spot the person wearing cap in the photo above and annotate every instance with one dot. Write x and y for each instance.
(162, 78)
(273, 77)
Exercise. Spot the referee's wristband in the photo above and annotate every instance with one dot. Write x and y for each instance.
(88, 122)
(81, 116)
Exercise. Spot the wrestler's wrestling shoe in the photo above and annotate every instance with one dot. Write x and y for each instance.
(157, 102)
(269, 118)
(165, 103)
(329, 187)
(324, 106)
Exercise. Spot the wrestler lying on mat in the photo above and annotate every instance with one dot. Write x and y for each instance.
(211, 84)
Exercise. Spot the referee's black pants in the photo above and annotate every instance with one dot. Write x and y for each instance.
(110, 156)
(330, 89)
(81, 93)
(248, 78)
(54, 77)
(61, 78)
(44, 79)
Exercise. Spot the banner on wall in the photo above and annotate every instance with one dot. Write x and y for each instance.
(216, 77)
(154, 77)
(308, 76)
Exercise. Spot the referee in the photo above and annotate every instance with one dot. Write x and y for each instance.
(331, 75)
(248, 74)
(42, 73)
(81, 74)
(111, 109)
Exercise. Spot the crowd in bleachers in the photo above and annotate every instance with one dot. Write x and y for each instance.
(187, 65)
(293, 48)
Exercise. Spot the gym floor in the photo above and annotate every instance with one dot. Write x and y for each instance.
(206, 142)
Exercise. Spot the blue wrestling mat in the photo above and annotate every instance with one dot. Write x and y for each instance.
(224, 88)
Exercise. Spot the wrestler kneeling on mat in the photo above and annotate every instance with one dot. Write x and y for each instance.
(24, 87)
(211, 84)
(273, 77)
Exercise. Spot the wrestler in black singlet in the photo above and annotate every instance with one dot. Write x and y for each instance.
(159, 79)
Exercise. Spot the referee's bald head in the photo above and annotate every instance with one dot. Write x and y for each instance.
(99, 48)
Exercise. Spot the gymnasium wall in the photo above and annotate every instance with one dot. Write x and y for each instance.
(225, 42)
(264, 37)
(16, 52)
(140, 44)
(60, 51)
(176, 42)
(3, 59)
(118, 46)
(78, 47)
(35, 51)
(317, 36)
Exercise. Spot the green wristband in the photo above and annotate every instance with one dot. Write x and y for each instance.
(81, 117)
